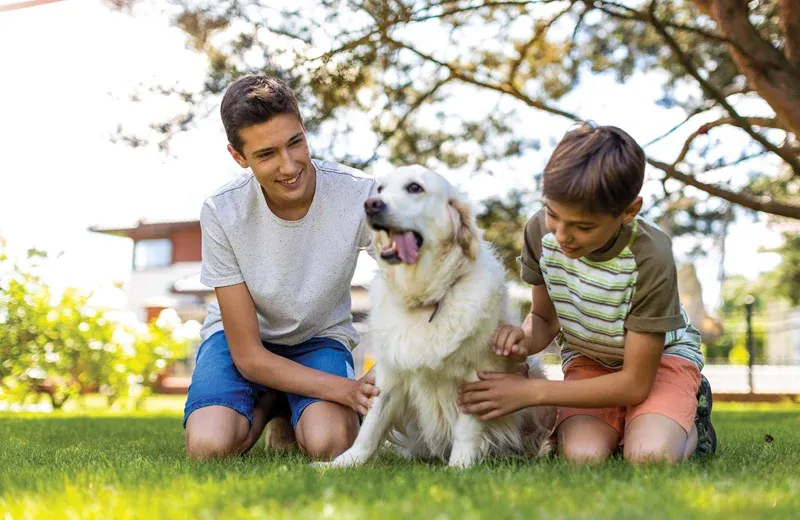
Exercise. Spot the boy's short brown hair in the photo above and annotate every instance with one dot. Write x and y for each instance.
(598, 167)
(255, 99)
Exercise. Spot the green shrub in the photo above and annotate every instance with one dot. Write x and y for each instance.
(62, 347)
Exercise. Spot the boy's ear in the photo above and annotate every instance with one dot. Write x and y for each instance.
(239, 158)
(632, 210)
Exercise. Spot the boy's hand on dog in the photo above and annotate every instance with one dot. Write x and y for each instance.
(509, 341)
(362, 392)
(495, 394)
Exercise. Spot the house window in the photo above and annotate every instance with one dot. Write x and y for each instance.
(152, 253)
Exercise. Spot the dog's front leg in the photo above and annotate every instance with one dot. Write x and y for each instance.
(468, 445)
(371, 434)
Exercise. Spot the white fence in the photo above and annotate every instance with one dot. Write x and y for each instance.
(767, 379)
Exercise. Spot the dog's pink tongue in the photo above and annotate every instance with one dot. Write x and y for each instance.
(406, 246)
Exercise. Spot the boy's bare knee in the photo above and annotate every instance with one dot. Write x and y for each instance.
(215, 432)
(582, 453)
(204, 445)
(327, 431)
(326, 446)
(655, 438)
(330, 441)
(583, 439)
(642, 453)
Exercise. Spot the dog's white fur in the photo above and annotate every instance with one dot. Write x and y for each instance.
(421, 362)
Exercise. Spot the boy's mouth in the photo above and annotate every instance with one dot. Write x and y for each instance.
(292, 181)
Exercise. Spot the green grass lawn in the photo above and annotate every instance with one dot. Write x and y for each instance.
(85, 464)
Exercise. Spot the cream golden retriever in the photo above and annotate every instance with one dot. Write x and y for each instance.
(436, 301)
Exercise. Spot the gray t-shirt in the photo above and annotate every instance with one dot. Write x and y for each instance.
(298, 272)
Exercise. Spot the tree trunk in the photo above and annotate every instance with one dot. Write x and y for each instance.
(790, 23)
(767, 70)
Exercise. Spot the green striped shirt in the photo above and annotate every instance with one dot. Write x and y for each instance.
(632, 286)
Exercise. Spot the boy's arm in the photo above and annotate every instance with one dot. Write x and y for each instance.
(259, 365)
(497, 394)
(536, 333)
(541, 326)
(629, 386)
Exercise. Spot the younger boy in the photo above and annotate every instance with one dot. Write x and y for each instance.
(605, 288)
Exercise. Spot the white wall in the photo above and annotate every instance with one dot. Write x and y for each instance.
(783, 333)
(152, 287)
(767, 379)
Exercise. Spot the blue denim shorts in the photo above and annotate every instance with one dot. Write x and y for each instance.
(217, 382)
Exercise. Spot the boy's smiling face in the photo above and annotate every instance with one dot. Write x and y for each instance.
(580, 233)
(278, 154)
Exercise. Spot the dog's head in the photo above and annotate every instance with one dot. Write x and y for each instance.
(415, 211)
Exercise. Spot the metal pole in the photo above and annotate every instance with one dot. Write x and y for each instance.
(748, 305)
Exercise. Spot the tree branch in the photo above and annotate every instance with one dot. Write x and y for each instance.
(348, 46)
(791, 159)
(503, 88)
(756, 203)
(474, 7)
(676, 127)
(740, 160)
(633, 14)
(401, 123)
(540, 32)
(766, 204)
(766, 122)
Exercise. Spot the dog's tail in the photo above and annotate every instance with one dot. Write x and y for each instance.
(536, 431)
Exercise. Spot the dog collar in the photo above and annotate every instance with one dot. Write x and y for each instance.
(435, 309)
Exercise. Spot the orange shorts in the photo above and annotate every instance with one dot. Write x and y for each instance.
(674, 394)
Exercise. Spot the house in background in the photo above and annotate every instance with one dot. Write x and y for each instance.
(165, 268)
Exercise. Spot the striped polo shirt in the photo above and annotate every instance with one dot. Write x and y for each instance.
(631, 286)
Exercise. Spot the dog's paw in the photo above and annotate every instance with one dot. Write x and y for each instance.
(460, 463)
(461, 460)
(347, 459)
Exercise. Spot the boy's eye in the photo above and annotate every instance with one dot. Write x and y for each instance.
(584, 228)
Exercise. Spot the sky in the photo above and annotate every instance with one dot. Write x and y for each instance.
(66, 87)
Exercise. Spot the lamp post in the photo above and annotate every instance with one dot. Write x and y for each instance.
(748, 305)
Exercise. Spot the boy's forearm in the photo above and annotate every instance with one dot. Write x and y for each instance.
(539, 333)
(285, 375)
(610, 390)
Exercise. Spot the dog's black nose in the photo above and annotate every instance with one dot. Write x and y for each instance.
(374, 206)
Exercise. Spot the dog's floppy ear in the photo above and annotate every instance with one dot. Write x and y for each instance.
(465, 231)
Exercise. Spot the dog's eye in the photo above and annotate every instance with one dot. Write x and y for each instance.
(380, 189)
(414, 188)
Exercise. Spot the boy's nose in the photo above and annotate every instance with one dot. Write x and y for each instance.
(288, 164)
(562, 238)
